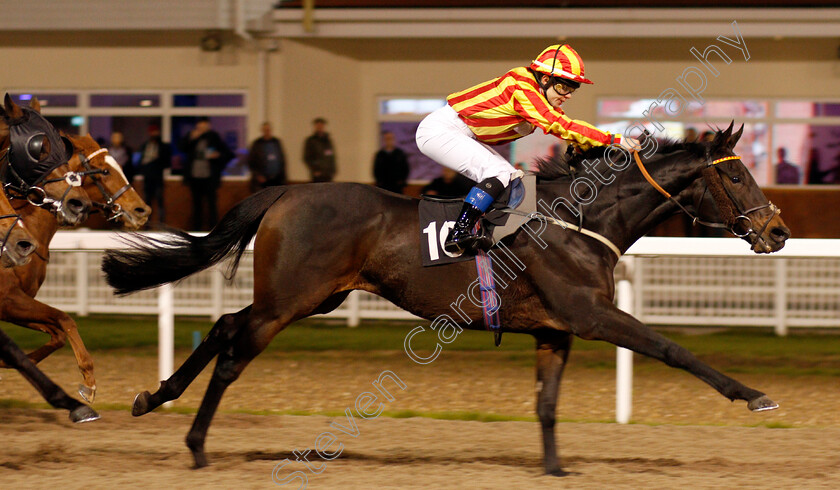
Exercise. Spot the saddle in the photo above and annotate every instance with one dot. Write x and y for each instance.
(437, 215)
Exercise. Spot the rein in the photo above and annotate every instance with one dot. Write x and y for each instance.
(548, 219)
(726, 202)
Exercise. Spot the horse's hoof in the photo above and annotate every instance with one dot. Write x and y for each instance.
(556, 472)
(83, 414)
(762, 403)
(141, 404)
(87, 392)
(200, 459)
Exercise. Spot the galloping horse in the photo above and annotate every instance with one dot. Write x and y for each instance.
(35, 164)
(99, 175)
(39, 148)
(315, 243)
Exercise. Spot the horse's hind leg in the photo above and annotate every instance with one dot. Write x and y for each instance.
(11, 354)
(170, 389)
(606, 322)
(552, 354)
(247, 344)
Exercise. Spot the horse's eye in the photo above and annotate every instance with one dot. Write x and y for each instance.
(736, 180)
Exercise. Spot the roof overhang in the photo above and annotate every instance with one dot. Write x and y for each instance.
(548, 22)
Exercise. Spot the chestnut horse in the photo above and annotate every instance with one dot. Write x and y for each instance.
(102, 179)
(35, 164)
(19, 243)
(316, 243)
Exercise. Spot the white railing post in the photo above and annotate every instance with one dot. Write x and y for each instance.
(217, 282)
(82, 280)
(780, 298)
(166, 331)
(353, 307)
(624, 357)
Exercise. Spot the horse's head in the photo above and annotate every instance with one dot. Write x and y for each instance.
(16, 244)
(36, 164)
(102, 176)
(728, 194)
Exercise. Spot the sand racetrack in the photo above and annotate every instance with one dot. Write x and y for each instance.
(41, 450)
(707, 443)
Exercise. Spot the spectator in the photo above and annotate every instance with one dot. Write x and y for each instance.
(786, 172)
(708, 137)
(390, 166)
(155, 157)
(207, 155)
(266, 160)
(122, 154)
(450, 184)
(318, 153)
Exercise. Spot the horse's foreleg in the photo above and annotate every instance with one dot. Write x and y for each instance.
(606, 322)
(170, 389)
(552, 354)
(11, 354)
(25, 311)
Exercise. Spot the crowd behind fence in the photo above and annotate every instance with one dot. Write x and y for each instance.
(770, 291)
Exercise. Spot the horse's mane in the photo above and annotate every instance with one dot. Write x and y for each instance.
(567, 166)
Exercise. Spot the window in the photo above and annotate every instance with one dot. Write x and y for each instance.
(401, 116)
(784, 141)
(102, 113)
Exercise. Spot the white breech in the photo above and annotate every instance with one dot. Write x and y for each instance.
(446, 139)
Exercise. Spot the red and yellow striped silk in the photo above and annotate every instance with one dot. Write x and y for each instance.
(496, 109)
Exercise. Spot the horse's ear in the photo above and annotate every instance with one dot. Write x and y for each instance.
(35, 104)
(728, 133)
(13, 111)
(735, 137)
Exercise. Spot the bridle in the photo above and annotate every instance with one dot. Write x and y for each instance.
(34, 193)
(110, 206)
(731, 210)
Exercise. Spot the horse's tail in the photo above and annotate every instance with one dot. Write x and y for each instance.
(152, 261)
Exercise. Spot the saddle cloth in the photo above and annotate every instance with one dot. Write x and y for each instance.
(437, 216)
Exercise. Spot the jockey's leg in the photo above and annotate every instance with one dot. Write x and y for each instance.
(462, 236)
(445, 138)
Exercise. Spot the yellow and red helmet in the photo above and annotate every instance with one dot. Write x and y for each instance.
(560, 60)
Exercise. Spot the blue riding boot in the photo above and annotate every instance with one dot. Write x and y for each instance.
(462, 236)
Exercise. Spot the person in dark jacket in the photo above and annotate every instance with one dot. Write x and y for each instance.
(155, 157)
(450, 184)
(390, 166)
(266, 160)
(207, 155)
(318, 153)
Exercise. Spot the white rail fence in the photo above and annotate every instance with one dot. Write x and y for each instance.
(672, 281)
(701, 282)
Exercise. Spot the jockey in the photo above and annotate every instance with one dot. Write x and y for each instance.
(460, 134)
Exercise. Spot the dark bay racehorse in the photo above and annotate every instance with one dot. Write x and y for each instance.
(316, 243)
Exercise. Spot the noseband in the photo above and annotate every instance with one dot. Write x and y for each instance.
(110, 206)
(18, 222)
(731, 210)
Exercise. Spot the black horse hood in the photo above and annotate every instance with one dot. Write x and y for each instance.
(27, 139)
